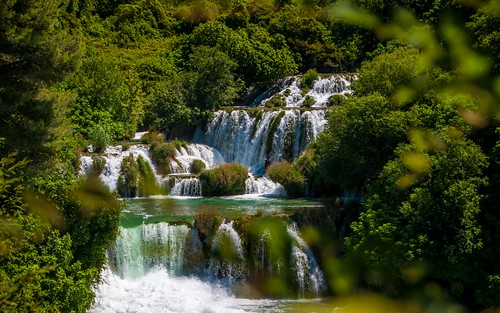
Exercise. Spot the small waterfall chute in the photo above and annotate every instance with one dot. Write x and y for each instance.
(264, 186)
(186, 187)
(309, 277)
(228, 259)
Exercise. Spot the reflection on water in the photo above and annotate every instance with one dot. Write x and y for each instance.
(179, 209)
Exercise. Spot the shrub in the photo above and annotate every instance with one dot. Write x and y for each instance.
(178, 144)
(151, 137)
(197, 166)
(224, 180)
(309, 78)
(207, 221)
(287, 92)
(147, 179)
(277, 101)
(100, 136)
(128, 181)
(98, 164)
(337, 99)
(308, 102)
(285, 174)
(125, 146)
(162, 153)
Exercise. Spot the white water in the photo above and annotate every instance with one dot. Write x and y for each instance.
(242, 138)
(159, 292)
(113, 155)
(137, 250)
(308, 274)
(322, 90)
(185, 157)
(187, 187)
(264, 186)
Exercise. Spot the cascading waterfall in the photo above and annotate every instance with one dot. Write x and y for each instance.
(184, 157)
(186, 187)
(255, 141)
(264, 186)
(309, 276)
(113, 157)
(228, 258)
(321, 91)
(140, 249)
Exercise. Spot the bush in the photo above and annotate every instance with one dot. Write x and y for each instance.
(162, 153)
(197, 166)
(285, 174)
(224, 180)
(207, 220)
(100, 136)
(151, 137)
(308, 102)
(128, 181)
(277, 101)
(98, 164)
(337, 99)
(125, 146)
(309, 78)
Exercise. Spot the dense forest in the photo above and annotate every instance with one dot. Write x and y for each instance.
(418, 141)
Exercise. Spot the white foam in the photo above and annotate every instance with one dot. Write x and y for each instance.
(158, 292)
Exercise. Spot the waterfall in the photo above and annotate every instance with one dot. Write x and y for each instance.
(321, 91)
(189, 187)
(138, 250)
(269, 136)
(185, 157)
(227, 254)
(113, 157)
(264, 186)
(309, 277)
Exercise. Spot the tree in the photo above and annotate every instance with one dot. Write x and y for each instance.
(211, 79)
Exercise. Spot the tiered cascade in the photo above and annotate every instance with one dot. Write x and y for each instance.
(177, 249)
(253, 137)
(263, 138)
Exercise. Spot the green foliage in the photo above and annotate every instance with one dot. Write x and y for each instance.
(197, 166)
(100, 136)
(128, 181)
(147, 179)
(260, 58)
(44, 269)
(285, 174)
(224, 180)
(277, 101)
(106, 98)
(162, 153)
(275, 121)
(207, 221)
(152, 137)
(308, 102)
(167, 110)
(92, 218)
(98, 164)
(335, 100)
(213, 81)
(309, 78)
